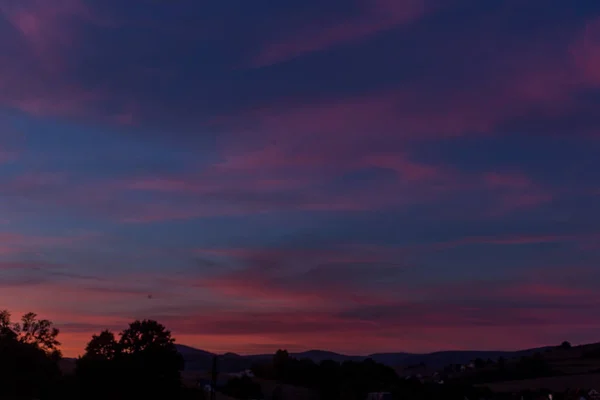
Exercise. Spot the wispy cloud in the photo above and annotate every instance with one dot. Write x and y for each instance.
(586, 52)
(373, 171)
(369, 18)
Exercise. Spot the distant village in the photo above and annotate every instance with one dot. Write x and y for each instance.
(554, 373)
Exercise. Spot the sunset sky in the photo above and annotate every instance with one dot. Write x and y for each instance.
(351, 175)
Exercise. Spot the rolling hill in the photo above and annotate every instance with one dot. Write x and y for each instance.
(198, 360)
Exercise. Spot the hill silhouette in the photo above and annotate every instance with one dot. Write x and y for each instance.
(200, 360)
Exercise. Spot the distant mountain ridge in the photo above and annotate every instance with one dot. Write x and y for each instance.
(199, 360)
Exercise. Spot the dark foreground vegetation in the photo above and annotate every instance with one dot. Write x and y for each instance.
(353, 380)
(142, 362)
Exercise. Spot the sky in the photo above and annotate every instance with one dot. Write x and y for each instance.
(359, 176)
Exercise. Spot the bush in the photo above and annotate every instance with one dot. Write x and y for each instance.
(243, 388)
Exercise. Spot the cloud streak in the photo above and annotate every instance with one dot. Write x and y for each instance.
(373, 16)
(404, 175)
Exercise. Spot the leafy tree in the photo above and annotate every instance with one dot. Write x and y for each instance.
(146, 335)
(38, 332)
(98, 371)
(281, 362)
(103, 346)
(151, 360)
(565, 345)
(143, 363)
(31, 330)
(27, 369)
(6, 330)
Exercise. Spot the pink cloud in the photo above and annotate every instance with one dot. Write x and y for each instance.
(270, 178)
(297, 278)
(532, 289)
(71, 102)
(17, 243)
(46, 26)
(373, 131)
(11, 265)
(537, 78)
(238, 189)
(418, 327)
(35, 180)
(315, 289)
(515, 192)
(6, 157)
(416, 181)
(375, 16)
(342, 253)
(73, 335)
(580, 241)
(87, 291)
(552, 291)
(34, 75)
(259, 184)
(502, 180)
(306, 316)
(220, 177)
(586, 53)
(80, 306)
(164, 184)
(408, 170)
(520, 201)
(265, 285)
(509, 240)
(399, 115)
(11, 141)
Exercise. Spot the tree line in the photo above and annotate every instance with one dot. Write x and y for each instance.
(141, 362)
(354, 380)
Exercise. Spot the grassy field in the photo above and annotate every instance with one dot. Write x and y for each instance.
(190, 379)
(557, 383)
(579, 364)
(289, 391)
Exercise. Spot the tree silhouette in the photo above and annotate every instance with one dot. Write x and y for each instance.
(565, 345)
(98, 372)
(501, 363)
(6, 328)
(27, 369)
(281, 361)
(38, 332)
(150, 359)
(146, 335)
(103, 346)
(350, 380)
(144, 363)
